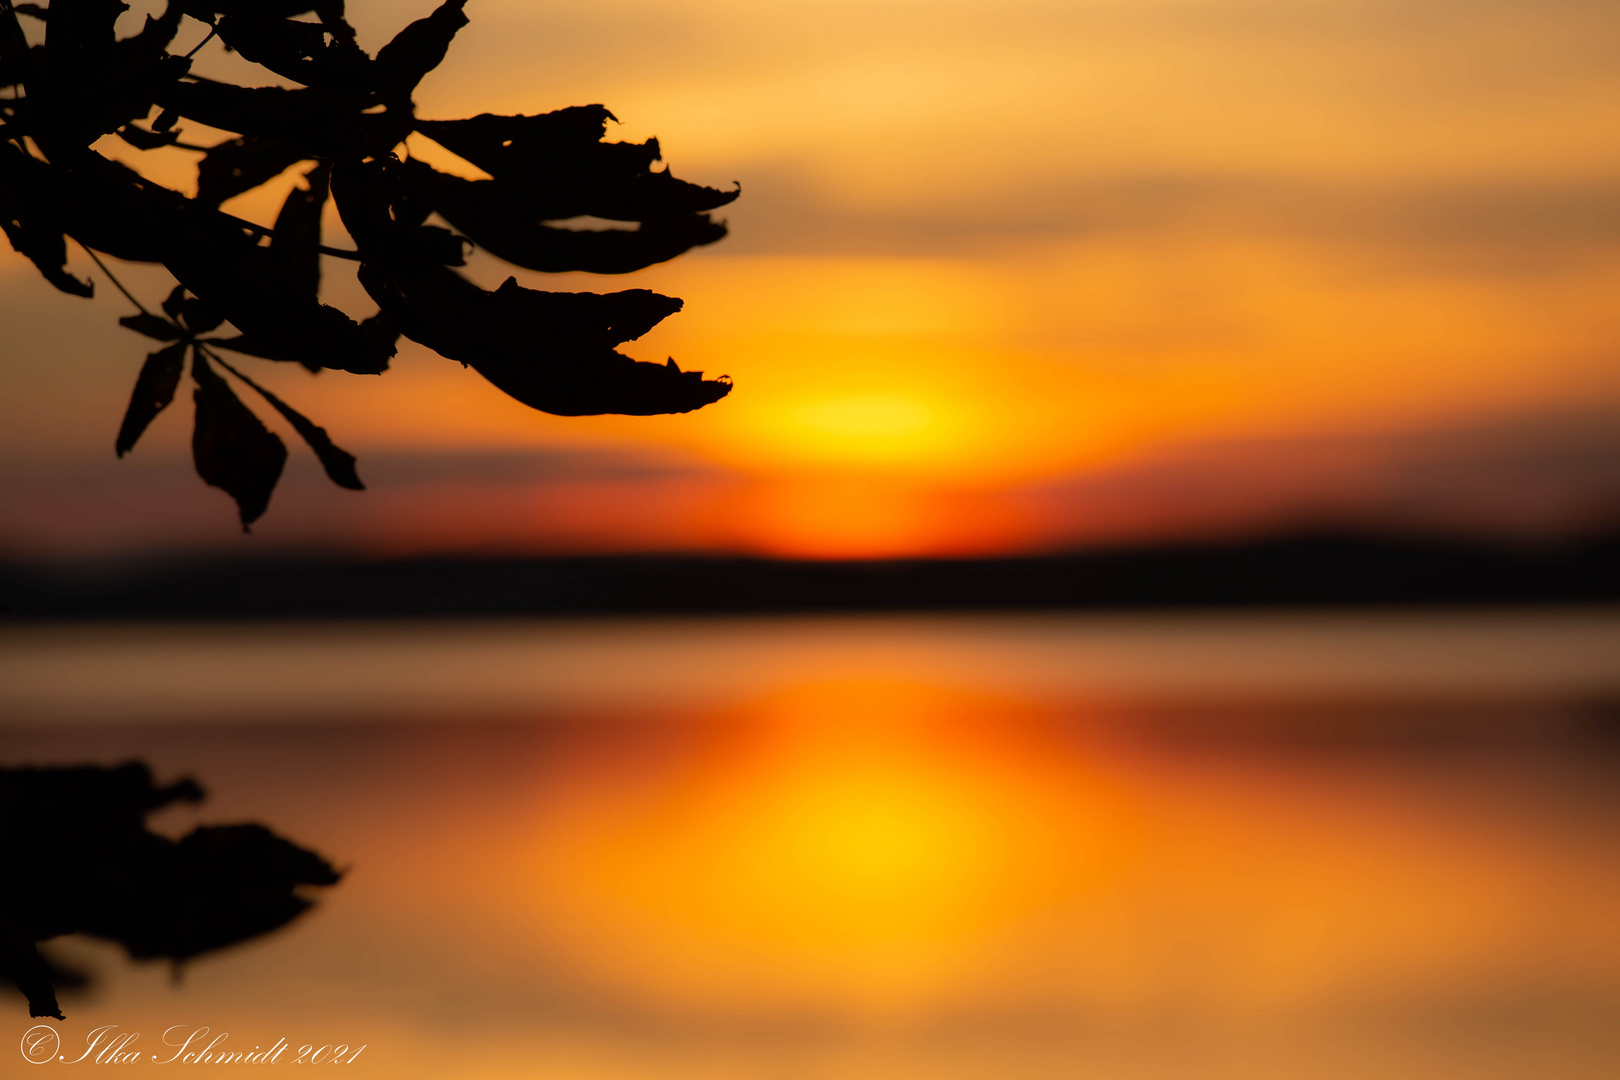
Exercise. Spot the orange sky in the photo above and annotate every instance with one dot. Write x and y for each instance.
(986, 255)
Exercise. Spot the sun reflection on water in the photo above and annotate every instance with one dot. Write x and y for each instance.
(863, 841)
(840, 870)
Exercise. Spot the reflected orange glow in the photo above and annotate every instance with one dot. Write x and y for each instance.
(869, 841)
(831, 874)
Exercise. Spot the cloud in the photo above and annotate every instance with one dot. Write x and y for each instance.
(523, 501)
(1471, 227)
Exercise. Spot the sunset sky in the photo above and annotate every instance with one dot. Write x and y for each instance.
(1003, 277)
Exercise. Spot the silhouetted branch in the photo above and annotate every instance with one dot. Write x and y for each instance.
(348, 116)
(119, 285)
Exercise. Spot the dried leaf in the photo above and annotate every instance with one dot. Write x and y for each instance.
(154, 390)
(338, 463)
(232, 449)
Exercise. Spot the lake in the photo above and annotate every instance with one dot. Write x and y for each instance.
(1295, 844)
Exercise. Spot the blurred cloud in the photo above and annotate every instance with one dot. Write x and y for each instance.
(1536, 478)
(1513, 228)
(562, 499)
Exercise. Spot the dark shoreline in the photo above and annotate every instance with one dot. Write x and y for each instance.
(1316, 571)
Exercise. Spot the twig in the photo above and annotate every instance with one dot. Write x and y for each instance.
(339, 253)
(213, 28)
(221, 361)
(113, 277)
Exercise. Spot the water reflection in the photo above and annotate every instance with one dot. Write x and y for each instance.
(849, 844)
(82, 860)
(850, 876)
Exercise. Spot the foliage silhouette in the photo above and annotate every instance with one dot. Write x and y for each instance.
(80, 859)
(349, 116)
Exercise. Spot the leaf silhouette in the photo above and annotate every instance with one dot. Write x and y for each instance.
(552, 167)
(205, 10)
(95, 868)
(20, 63)
(103, 204)
(326, 123)
(232, 449)
(153, 326)
(79, 44)
(247, 346)
(141, 139)
(93, 83)
(338, 463)
(154, 390)
(555, 166)
(418, 49)
(551, 351)
(499, 144)
(32, 235)
(298, 50)
(250, 285)
(348, 114)
(245, 875)
(238, 165)
(196, 316)
(298, 231)
(378, 332)
(504, 219)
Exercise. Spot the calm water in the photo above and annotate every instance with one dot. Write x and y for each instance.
(1289, 846)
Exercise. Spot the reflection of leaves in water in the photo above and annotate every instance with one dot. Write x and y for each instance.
(79, 859)
(351, 116)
